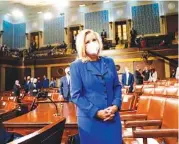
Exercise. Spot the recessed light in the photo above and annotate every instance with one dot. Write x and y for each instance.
(106, 1)
(47, 15)
(82, 5)
(17, 13)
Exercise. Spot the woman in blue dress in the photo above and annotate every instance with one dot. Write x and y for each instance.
(96, 91)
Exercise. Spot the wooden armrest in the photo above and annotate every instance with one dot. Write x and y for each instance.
(124, 112)
(130, 124)
(153, 133)
(133, 117)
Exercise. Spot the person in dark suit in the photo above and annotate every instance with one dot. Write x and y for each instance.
(52, 83)
(33, 45)
(64, 88)
(128, 79)
(27, 84)
(117, 39)
(17, 88)
(133, 33)
(138, 76)
(45, 83)
(173, 73)
(103, 35)
(146, 74)
(96, 91)
(39, 83)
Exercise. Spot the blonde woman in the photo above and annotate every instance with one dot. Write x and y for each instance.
(96, 91)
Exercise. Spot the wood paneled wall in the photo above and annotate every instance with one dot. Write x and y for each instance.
(58, 72)
(172, 23)
(40, 72)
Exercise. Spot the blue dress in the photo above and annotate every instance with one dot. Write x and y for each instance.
(95, 86)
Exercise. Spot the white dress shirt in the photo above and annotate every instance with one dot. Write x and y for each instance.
(127, 78)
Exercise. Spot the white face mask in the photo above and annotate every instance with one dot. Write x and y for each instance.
(92, 48)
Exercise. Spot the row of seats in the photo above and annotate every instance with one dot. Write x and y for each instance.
(162, 91)
(159, 112)
(169, 82)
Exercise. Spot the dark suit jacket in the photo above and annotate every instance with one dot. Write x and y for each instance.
(16, 90)
(39, 85)
(104, 34)
(130, 81)
(46, 83)
(64, 88)
(146, 75)
(138, 77)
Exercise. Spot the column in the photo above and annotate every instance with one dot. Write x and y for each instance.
(163, 26)
(27, 40)
(40, 38)
(2, 78)
(32, 71)
(111, 30)
(66, 35)
(167, 69)
(129, 26)
(49, 72)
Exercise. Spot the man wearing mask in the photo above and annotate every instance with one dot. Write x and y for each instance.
(138, 76)
(17, 88)
(128, 79)
(64, 88)
(146, 74)
(27, 84)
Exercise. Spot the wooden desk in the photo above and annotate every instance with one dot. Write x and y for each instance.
(44, 115)
(8, 110)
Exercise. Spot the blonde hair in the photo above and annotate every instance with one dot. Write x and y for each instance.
(80, 44)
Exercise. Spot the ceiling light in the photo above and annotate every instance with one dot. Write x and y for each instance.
(39, 12)
(60, 4)
(106, 1)
(48, 16)
(82, 5)
(17, 13)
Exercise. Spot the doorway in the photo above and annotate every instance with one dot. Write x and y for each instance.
(121, 31)
(73, 33)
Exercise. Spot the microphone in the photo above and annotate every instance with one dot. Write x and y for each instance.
(45, 95)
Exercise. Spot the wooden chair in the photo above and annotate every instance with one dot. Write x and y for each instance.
(166, 123)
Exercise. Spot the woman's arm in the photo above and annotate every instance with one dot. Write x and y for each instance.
(76, 92)
(116, 87)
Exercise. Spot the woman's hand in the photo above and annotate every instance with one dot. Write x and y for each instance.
(103, 114)
(108, 113)
(111, 110)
